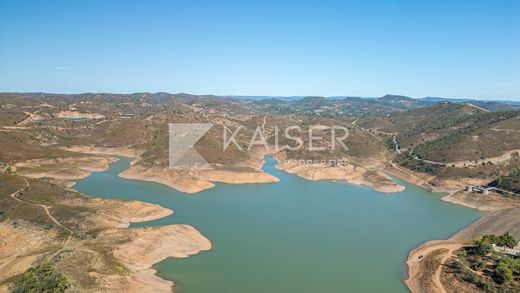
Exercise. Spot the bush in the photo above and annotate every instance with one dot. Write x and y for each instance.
(504, 273)
(41, 278)
(490, 238)
(479, 266)
(483, 248)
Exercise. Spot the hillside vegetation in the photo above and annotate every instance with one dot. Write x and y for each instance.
(509, 182)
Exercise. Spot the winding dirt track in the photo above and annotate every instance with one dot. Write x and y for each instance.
(15, 194)
(416, 274)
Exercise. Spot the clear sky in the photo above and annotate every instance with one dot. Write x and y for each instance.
(364, 48)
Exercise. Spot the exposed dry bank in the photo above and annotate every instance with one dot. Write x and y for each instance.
(195, 180)
(100, 150)
(367, 175)
(112, 257)
(424, 262)
(66, 168)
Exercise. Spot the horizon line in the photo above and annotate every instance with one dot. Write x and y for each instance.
(267, 96)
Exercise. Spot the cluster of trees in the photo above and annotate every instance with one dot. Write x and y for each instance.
(507, 266)
(446, 148)
(41, 278)
(409, 161)
(509, 182)
(504, 240)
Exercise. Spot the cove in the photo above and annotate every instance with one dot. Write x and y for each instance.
(294, 235)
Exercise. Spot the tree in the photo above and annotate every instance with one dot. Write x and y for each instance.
(483, 248)
(491, 238)
(506, 240)
(504, 273)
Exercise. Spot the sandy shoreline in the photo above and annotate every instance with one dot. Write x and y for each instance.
(488, 203)
(120, 213)
(110, 151)
(501, 215)
(140, 254)
(137, 249)
(151, 245)
(66, 168)
(352, 174)
(193, 181)
(419, 279)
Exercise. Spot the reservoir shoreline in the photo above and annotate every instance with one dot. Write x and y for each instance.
(202, 181)
(327, 180)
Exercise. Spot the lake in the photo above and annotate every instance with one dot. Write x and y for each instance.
(294, 235)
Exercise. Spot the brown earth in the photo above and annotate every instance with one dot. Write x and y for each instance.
(350, 173)
(72, 229)
(192, 181)
(420, 279)
(486, 203)
(67, 168)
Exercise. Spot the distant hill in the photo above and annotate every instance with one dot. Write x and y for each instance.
(259, 98)
(486, 103)
(341, 106)
(449, 132)
(496, 106)
(476, 137)
(402, 102)
(359, 106)
(393, 101)
(437, 131)
(439, 100)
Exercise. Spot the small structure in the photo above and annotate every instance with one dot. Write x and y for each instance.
(513, 252)
(126, 115)
(480, 189)
(485, 190)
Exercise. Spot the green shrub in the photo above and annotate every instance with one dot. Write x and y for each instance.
(504, 273)
(40, 279)
(483, 248)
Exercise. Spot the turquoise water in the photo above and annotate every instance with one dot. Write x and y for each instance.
(294, 235)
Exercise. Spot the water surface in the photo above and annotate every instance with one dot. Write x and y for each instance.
(294, 235)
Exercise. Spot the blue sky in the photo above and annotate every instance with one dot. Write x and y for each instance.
(364, 48)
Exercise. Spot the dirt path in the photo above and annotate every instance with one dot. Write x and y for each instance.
(263, 124)
(15, 194)
(373, 134)
(46, 208)
(420, 280)
(495, 160)
(447, 255)
(419, 179)
(460, 164)
(31, 118)
(397, 148)
(477, 107)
